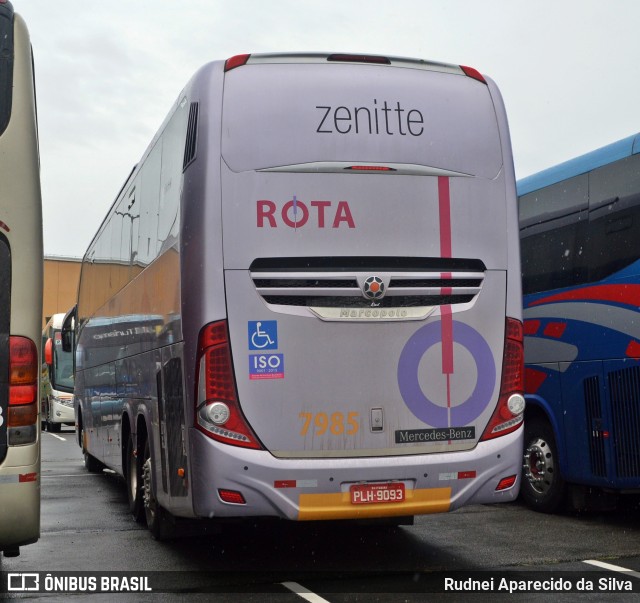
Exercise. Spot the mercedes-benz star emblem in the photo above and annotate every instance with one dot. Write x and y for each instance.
(373, 288)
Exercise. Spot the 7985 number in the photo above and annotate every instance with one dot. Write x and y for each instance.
(336, 423)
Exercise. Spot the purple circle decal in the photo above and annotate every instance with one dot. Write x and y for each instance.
(425, 409)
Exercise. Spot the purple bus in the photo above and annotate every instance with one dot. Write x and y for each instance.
(297, 305)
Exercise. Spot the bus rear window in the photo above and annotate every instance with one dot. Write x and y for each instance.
(290, 114)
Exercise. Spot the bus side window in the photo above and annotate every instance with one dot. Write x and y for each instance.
(554, 253)
(173, 141)
(149, 205)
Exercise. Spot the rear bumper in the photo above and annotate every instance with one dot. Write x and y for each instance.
(318, 489)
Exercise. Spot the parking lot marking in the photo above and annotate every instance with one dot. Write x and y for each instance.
(53, 435)
(613, 568)
(301, 591)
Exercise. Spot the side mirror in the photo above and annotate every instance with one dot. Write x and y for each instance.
(68, 328)
(48, 352)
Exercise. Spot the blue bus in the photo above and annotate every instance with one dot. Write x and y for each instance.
(580, 244)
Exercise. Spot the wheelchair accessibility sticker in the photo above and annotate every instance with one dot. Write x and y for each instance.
(263, 335)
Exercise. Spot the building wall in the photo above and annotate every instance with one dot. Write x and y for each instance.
(61, 277)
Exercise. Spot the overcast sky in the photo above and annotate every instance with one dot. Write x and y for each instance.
(108, 72)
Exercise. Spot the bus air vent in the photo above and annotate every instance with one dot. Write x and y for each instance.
(192, 136)
(594, 426)
(624, 387)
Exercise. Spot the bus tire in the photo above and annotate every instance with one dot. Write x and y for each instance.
(157, 518)
(135, 489)
(543, 487)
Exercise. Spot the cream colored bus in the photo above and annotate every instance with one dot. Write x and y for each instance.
(20, 290)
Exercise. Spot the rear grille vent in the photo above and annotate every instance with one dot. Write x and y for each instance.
(624, 386)
(346, 284)
(192, 136)
(335, 301)
(594, 426)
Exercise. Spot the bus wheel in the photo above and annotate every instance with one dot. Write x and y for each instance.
(543, 488)
(157, 517)
(135, 490)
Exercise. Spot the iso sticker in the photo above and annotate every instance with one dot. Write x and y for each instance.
(266, 366)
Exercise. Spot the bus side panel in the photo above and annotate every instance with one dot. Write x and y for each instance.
(597, 399)
(514, 285)
(202, 285)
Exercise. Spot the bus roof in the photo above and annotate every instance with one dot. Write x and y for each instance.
(580, 165)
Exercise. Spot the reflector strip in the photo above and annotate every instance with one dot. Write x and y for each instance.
(455, 475)
(506, 483)
(232, 497)
(19, 478)
(293, 483)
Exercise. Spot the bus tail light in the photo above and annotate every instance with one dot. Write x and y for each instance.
(236, 61)
(218, 413)
(22, 417)
(359, 58)
(509, 413)
(370, 168)
(473, 73)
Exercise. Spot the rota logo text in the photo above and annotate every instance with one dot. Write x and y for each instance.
(298, 214)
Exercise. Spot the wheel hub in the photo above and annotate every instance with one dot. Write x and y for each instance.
(146, 484)
(538, 465)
